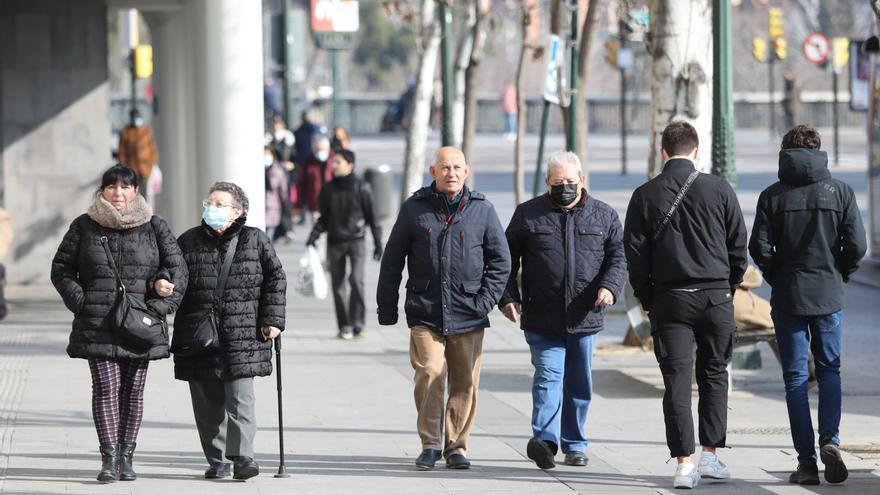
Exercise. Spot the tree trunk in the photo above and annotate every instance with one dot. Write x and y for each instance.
(556, 10)
(680, 44)
(875, 5)
(462, 60)
(470, 85)
(519, 150)
(417, 134)
(586, 41)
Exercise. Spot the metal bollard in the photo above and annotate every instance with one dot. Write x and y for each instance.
(379, 179)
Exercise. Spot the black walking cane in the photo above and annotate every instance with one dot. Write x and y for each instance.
(282, 470)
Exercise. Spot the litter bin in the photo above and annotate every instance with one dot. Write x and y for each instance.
(379, 179)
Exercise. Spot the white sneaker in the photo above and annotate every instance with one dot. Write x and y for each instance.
(686, 476)
(712, 467)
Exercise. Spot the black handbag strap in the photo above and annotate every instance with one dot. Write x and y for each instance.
(112, 263)
(684, 189)
(224, 271)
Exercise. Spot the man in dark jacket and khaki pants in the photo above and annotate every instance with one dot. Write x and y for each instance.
(808, 239)
(453, 245)
(684, 268)
(571, 249)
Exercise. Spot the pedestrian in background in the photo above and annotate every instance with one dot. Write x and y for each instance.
(311, 177)
(137, 149)
(807, 239)
(276, 196)
(570, 247)
(340, 140)
(508, 105)
(6, 236)
(685, 242)
(251, 314)
(148, 258)
(791, 98)
(346, 207)
(454, 248)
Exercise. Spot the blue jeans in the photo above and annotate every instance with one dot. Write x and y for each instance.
(796, 336)
(562, 387)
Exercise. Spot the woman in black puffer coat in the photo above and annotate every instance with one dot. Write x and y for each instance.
(251, 314)
(152, 268)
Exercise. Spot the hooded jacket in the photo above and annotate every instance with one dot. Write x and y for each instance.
(808, 235)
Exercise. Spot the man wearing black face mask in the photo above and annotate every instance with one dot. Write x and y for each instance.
(570, 248)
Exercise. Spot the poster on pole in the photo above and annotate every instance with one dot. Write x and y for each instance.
(859, 76)
(335, 23)
(552, 75)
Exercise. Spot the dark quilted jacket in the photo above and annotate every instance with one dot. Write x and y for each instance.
(255, 297)
(457, 265)
(87, 284)
(566, 256)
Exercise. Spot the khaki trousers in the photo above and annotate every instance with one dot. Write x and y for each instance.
(433, 358)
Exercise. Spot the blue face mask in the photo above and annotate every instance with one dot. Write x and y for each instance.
(322, 156)
(215, 217)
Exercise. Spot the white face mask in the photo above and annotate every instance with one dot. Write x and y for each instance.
(138, 122)
(279, 135)
(268, 160)
(322, 155)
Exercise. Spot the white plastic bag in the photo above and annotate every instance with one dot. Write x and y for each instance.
(312, 279)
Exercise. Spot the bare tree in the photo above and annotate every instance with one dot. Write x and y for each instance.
(528, 11)
(875, 6)
(680, 44)
(586, 32)
(417, 134)
(462, 60)
(478, 37)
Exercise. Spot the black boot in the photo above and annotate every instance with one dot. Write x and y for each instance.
(126, 471)
(109, 463)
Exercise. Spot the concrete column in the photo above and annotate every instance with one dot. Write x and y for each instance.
(229, 97)
(175, 124)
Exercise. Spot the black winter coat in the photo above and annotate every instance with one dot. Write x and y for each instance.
(808, 235)
(255, 296)
(702, 247)
(87, 284)
(346, 206)
(566, 255)
(458, 265)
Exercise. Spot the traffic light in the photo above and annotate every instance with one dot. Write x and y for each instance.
(780, 48)
(143, 61)
(611, 47)
(775, 29)
(759, 49)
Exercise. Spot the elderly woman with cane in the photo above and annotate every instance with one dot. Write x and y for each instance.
(224, 329)
(117, 241)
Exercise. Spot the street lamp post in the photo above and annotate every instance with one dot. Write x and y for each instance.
(723, 163)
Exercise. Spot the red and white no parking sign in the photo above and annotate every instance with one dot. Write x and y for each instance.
(816, 48)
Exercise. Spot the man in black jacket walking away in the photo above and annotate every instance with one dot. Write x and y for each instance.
(571, 249)
(685, 243)
(453, 245)
(346, 206)
(808, 239)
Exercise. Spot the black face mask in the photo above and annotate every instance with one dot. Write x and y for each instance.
(564, 194)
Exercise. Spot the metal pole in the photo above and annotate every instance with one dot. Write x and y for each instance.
(545, 115)
(446, 71)
(133, 96)
(622, 110)
(772, 103)
(335, 88)
(282, 469)
(287, 74)
(574, 101)
(723, 163)
(835, 116)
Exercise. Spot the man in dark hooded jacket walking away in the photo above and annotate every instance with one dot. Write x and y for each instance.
(807, 239)
(454, 248)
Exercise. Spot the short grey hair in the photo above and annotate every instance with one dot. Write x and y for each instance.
(239, 198)
(319, 138)
(562, 159)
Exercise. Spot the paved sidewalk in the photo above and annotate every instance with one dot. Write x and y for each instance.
(350, 419)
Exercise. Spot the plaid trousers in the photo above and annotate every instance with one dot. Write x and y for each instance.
(118, 398)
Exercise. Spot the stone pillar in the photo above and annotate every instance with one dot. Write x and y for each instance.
(229, 97)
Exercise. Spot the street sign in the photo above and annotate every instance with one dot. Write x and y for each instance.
(859, 76)
(839, 53)
(552, 74)
(335, 23)
(816, 48)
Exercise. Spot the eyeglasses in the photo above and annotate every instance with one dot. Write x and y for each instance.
(207, 202)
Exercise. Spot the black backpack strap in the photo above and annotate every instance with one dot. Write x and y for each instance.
(112, 263)
(684, 189)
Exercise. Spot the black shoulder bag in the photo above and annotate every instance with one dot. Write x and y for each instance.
(203, 338)
(675, 204)
(131, 318)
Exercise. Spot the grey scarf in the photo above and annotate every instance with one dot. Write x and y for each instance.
(136, 213)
